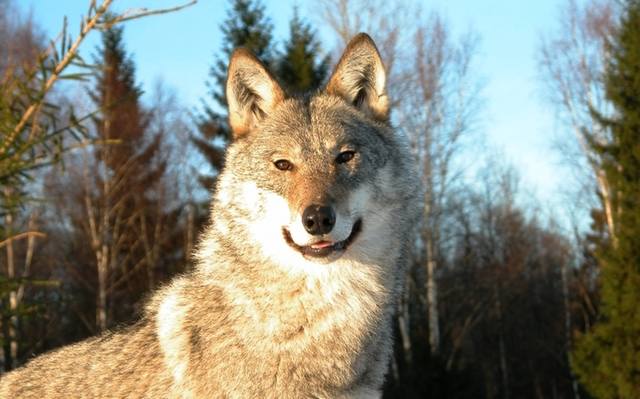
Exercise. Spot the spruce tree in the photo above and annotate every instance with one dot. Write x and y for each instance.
(246, 26)
(607, 359)
(132, 156)
(299, 69)
(116, 94)
(126, 187)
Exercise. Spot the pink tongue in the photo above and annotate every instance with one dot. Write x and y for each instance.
(321, 244)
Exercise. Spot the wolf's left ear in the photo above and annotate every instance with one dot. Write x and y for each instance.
(360, 78)
(252, 92)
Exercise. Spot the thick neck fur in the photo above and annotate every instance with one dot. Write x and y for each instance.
(333, 315)
(289, 304)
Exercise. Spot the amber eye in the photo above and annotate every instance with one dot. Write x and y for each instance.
(283, 164)
(345, 156)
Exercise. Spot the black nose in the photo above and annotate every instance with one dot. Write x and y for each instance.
(318, 219)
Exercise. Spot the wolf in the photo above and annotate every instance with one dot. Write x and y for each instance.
(298, 272)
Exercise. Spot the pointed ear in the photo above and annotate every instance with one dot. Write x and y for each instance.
(252, 92)
(360, 78)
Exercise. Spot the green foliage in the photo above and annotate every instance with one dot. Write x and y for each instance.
(299, 68)
(34, 133)
(607, 359)
(121, 119)
(33, 130)
(246, 26)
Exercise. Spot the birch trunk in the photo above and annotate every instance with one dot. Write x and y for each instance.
(504, 371)
(101, 308)
(13, 297)
(567, 327)
(432, 296)
(404, 321)
(3, 355)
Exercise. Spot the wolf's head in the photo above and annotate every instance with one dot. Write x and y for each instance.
(314, 179)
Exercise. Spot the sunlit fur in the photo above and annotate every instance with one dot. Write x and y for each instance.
(257, 318)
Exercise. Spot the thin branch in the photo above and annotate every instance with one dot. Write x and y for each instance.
(66, 60)
(142, 12)
(20, 236)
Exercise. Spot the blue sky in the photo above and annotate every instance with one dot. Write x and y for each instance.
(180, 47)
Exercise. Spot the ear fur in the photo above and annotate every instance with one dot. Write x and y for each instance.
(360, 78)
(252, 92)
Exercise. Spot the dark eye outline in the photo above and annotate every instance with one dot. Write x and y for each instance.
(283, 164)
(345, 156)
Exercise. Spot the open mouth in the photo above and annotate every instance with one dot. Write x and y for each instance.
(322, 249)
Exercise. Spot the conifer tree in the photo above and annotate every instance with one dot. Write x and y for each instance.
(246, 26)
(607, 359)
(118, 203)
(299, 68)
(122, 117)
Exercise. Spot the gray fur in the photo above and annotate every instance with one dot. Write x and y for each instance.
(257, 319)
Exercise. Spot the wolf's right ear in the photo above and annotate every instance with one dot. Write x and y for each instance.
(360, 78)
(252, 92)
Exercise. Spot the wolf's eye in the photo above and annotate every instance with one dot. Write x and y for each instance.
(283, 164)
(345, 156)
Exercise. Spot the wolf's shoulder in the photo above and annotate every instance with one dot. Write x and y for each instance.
(84, 368)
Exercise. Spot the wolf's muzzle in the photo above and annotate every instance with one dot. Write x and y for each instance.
(324, 251)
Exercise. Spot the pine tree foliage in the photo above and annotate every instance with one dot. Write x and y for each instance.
(607, 359)
(300, 67)
(246, 26)
(122, 122)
